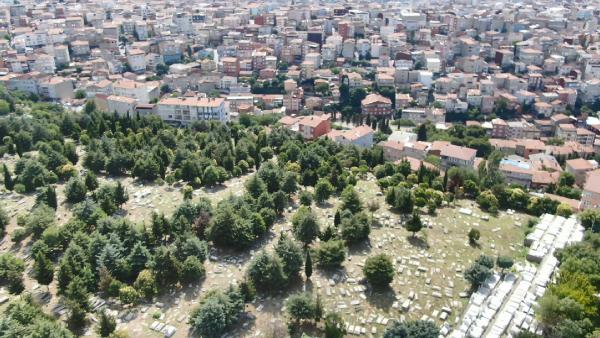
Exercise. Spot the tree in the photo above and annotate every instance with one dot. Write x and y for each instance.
(145, 284)
(474, 236)
(300, 306)
(120, 194)
(290, 254)
(43, 269)
(350, 200)
(330, 254)
(337, 218)
(422, 132)
(4, 219)
(305, 225)
(75, 190)
(308, 265)
(564, 210)
(106, 325)
(167, 269)
(590, 219)
(414, 224)
(488, 201)
(47, 196)
(290, 183)
(566, 179)
(504, 262)
(187, 192)
(255, 186)
(323, 190)
(379, 271)
(9, 184)
(412, 329)
(128, 295)
(91, 182)
(11, 272)
(192, 270)
(217, 312)
(334, 326)
(356, 228)
(476, 274)
(306, 198)
(266, 272)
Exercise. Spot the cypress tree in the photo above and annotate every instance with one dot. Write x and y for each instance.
(9, 184)
(308, 265)
(51, 198)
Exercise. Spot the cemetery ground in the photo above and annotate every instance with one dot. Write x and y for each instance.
(429, 267)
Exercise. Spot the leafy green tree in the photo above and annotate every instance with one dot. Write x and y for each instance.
(145, 284)
(75, 190)
(217, 312)
(356, 228)
(192, 270)
(146, 168)
(350, 200)
(323, 190)
(4, 219)
(11, 272)
(128, 295)
(335, 327)
(379, 270)
(187, 192)
(255, 186)
(300, 306)
(412, 329)
(167, 269)
(487, 201)
(9, 184)
(91, 182)
(590, 219)
(24, 315)
(474, 236)
(43, 269)
(120, 194)
(106, 325)
(414, 224)
(476, 274)
(290, 254)
(305, 225)
(290, 183)
(266, 272)
(330, 254)
(504, 262)
(306, 198)
(564, 210)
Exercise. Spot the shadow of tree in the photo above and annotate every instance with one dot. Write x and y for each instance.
(381, 298)
(418, 242)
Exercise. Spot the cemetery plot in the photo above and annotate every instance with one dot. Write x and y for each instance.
(507, 305)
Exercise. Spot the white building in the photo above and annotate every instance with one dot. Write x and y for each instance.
(137, 60)
(186, 110)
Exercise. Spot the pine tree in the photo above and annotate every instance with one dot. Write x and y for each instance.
(91, 182)
(445, 183)
(337, 218)
(121, 195)
(308, 265)
(9, 184)
(107, 325)
(43, 269)
(318, 308)
(51, 198)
